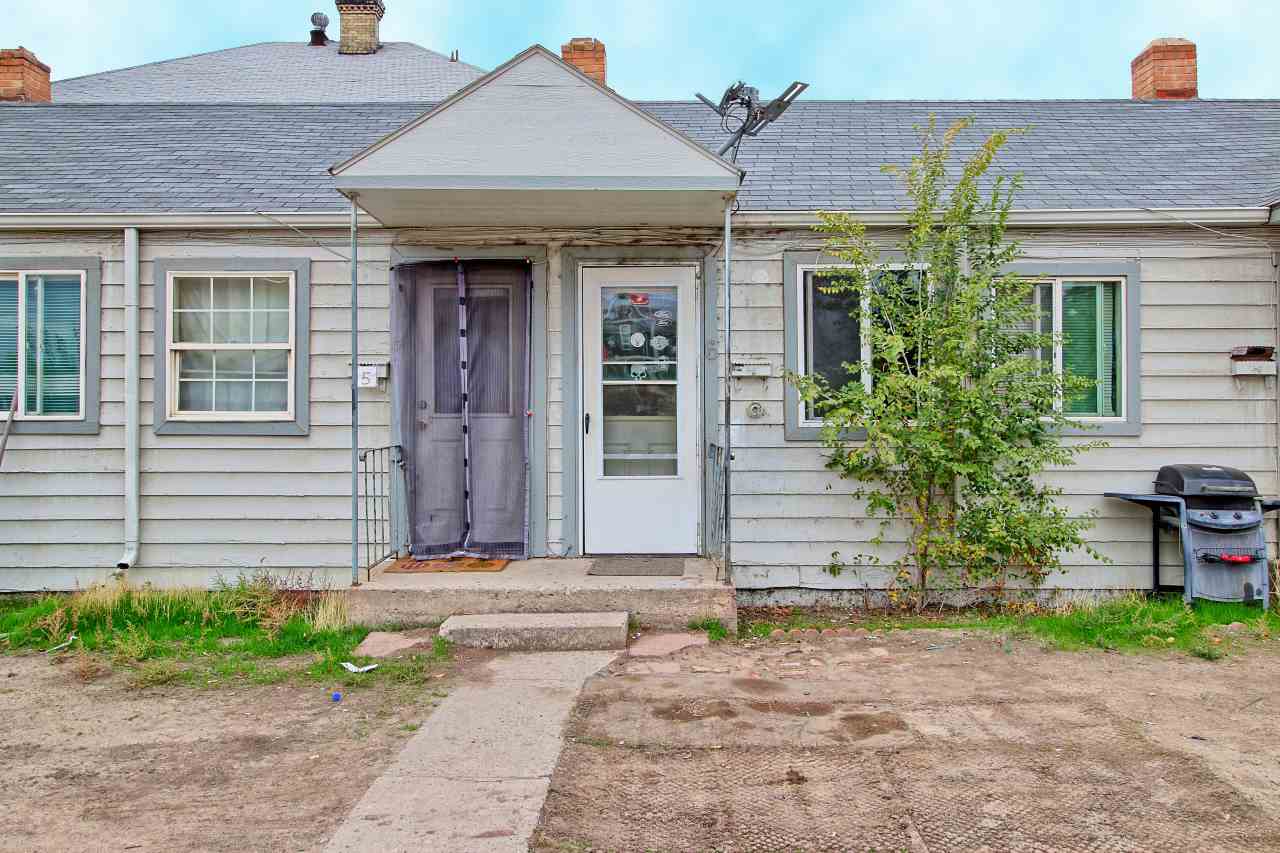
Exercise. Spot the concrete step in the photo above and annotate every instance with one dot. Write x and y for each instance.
(549, 632)
(545, 586)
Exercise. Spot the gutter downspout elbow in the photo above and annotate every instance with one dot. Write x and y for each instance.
(132, 354)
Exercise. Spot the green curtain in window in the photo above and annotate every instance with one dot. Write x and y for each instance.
(1092, 345)
(53, 341)
(8, 341)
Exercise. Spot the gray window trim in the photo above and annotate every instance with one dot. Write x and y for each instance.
(571, 261)
(91, 340)
(537, 450)
(301, 269)
(1131, 425)
(1131, 272)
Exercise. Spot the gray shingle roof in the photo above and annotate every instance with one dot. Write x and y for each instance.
(257, 157)
(1076, 154)
(278, 73)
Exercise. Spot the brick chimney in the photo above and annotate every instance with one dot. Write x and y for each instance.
(359, 20)
(587, 55)
(23, 77)
(1165, 71)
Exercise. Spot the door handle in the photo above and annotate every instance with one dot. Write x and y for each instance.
(586, 424)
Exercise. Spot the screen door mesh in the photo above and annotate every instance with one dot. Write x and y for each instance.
(460, 347)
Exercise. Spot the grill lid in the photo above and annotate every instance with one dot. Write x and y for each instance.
(1205, 480)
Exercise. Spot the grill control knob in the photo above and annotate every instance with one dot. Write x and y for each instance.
(1213, 515)
(1238, 516)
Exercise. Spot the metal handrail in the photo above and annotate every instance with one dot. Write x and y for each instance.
(715, 521)
(382, 499)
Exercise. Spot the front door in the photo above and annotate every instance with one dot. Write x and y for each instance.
(641, 484)
(486, 459)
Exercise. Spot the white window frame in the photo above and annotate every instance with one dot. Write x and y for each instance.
(804, 337)
(21, 387)
(174, 350)
(1123, 378)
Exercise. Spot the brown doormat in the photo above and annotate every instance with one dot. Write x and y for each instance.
(409, 566)
(637, 567)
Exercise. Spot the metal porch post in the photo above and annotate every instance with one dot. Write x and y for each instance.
(728, 384)
(355, 398)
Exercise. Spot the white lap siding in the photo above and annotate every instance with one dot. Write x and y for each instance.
(211, 505)
(60, 504)
(1201, 295)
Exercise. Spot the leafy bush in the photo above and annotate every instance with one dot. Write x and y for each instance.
(961, 416)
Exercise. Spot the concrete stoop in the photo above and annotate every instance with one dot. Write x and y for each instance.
(542, 586)
(541, 632)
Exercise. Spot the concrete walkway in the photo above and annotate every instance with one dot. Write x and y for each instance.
(474, 778)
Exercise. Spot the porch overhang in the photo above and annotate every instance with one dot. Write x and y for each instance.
(537, 143)
(571, 202)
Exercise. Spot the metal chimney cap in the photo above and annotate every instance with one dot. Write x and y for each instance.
(319, 20)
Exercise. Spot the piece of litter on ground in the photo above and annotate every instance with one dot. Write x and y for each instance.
(62, 646)
(1198, 737)
(350, 667)
(933, 647)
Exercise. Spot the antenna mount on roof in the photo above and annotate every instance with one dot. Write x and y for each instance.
(743, 101)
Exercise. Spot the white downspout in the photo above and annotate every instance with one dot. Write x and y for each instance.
(132, 461)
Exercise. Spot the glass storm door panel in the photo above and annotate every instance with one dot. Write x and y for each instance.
(641, 483)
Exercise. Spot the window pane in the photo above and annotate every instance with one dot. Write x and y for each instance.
(489, 370)
(270, 293)
(444, 335)
(8, 342)
(234, 364)
(271, 396)
(194, 364)
(271, 327)
(195, 396)
(639, 325)
(233, 396)
(53, 345)
(193, 328)
(834, 335)
(639, 430)
(271, 364)
(231, 327)
(231, 293)
(191, 292)
(1092, 347)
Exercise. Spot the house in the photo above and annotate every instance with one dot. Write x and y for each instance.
(175, 307)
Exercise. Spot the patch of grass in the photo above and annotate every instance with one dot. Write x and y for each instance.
(248, 631)
(1129, 623)
(156, 673)
(716, 631)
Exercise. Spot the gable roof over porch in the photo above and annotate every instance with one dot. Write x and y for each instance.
(536, 142)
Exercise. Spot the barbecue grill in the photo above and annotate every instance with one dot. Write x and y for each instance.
(1217, 513)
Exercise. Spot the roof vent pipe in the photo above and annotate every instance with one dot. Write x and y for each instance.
(318, 22)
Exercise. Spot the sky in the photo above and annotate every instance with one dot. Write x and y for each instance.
(669, 49)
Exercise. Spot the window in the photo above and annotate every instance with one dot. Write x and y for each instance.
(42, 344)
(1089, 317)
(489, 367)
(231, 346)
(832, 333)
(1093, 305)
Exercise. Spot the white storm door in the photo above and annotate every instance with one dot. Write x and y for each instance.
(641, 487)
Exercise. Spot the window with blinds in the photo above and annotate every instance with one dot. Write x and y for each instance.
(42, 344)
(1088, 318)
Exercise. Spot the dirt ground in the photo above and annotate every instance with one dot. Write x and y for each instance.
(921, 741)
(100, 766)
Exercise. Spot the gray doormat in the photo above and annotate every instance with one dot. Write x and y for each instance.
(637, 566)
